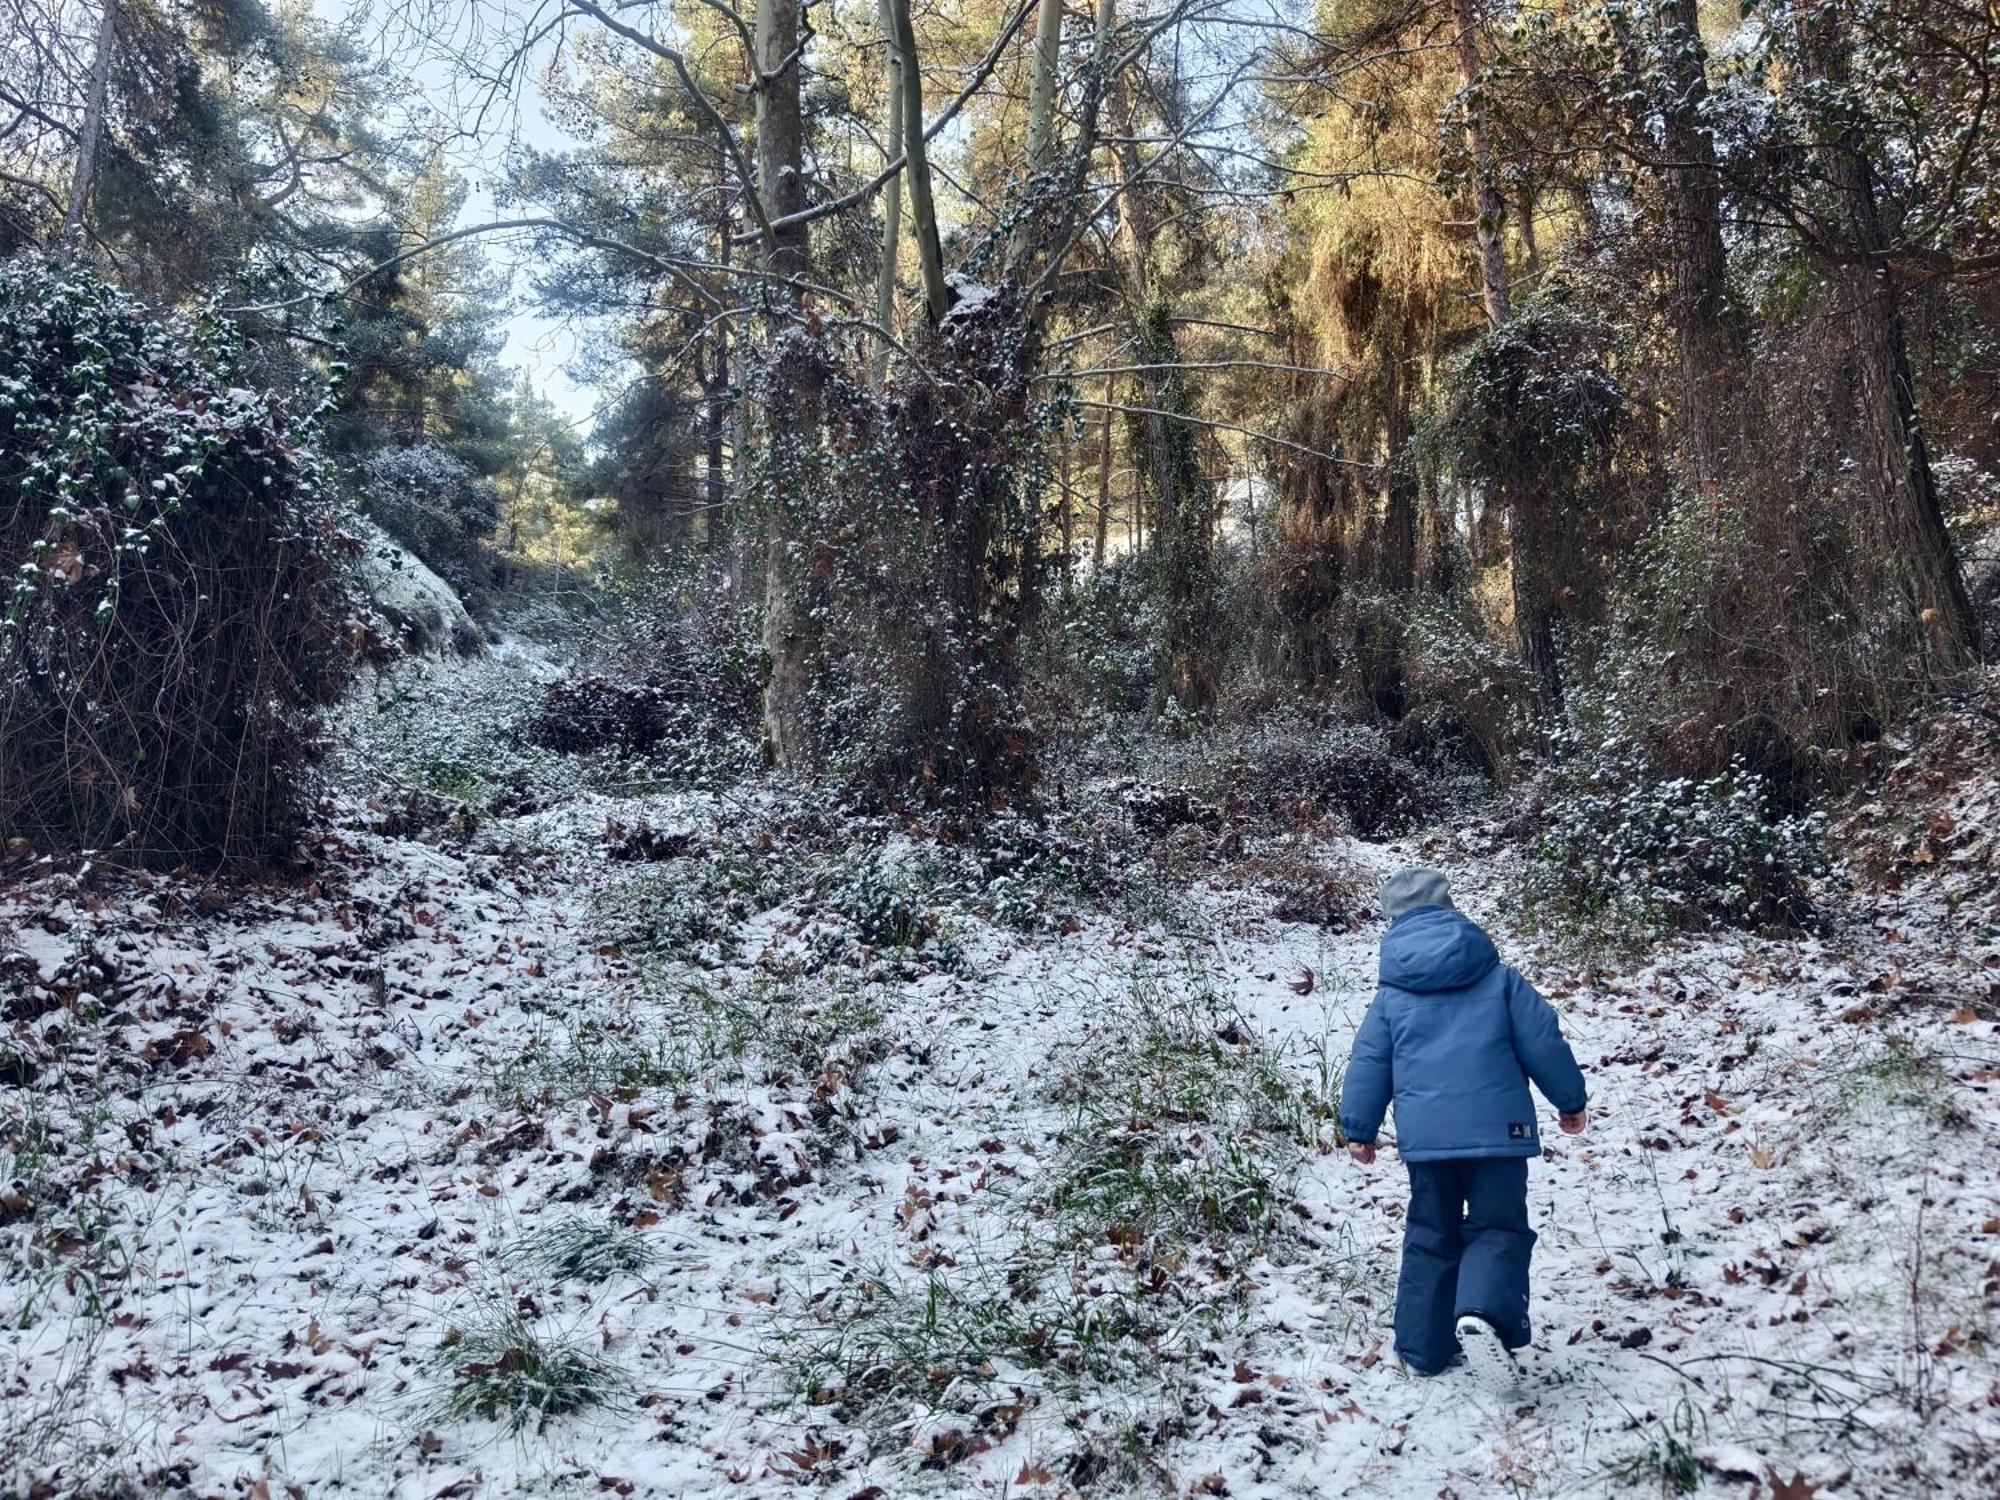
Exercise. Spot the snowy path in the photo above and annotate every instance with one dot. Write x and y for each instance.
(1726, 1259)
(337, 1116)
(1725, 1264)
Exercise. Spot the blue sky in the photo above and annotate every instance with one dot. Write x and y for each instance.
(543, 348)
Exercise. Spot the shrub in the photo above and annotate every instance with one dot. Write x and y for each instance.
(689, 908)
(675, 680)
(1304, 887)
(1537, 417)
(454, 732)
(1096, 645)
(1535, 397)
(1292, 762)
(434, 503)
(895, 549)
(1465, 684)
(591, 712)
(1030, 871)
(1381, 798)
(878, 895)
(1629, 853)
(175, 611)
(1773, 635)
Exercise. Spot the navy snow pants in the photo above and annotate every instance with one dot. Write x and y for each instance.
(1466, 1245)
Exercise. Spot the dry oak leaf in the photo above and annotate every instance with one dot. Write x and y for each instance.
(816, 1453)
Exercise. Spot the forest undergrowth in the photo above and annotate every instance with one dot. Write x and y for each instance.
(595, 1121)
(700, 708)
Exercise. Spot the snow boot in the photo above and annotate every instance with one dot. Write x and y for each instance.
(1487, 1355)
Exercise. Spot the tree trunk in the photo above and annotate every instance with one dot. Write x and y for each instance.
(1711, 346)
(1534, 626)
(892, 197)
(1399, 520)
(715, 418)
(1308, 541)
(1067, 523)
(789, 642)
(1057, 231)
(1031, 551)
(93, 127)
(1132, 234)
(1531, 249)
(1103, 480)
(1380, 641)
(1486, 200)
(791, 637)
(1041, 130)
(1933, 584)
(1180, 486)
(1135, 505)
(923, 207)
(781, 135)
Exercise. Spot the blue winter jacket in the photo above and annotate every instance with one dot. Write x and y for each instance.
(1452, 1038)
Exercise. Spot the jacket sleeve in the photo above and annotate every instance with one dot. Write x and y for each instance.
(1539, 1044)
(1370, 1078)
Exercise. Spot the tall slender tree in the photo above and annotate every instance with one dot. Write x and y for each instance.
(1898, 447)
(1489, 205)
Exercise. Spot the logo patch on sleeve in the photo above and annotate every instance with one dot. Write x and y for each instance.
(1518, 1132)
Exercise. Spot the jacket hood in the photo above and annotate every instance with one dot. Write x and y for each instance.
(1435, 948)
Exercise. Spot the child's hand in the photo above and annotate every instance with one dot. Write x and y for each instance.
(1574, 1124)
(1363, 1154)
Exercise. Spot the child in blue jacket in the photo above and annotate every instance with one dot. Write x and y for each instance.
(1453, 1038)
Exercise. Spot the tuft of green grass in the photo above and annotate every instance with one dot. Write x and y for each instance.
(501, 1370)
(958, 1339)
(1149, 1188)
(590, 1058)
(73, 1235)
(1903, 1075)
(885, 901)
(580, 1249)
(1666, 1464)
(779, 1021)
(1183, 1131)
(689, 910)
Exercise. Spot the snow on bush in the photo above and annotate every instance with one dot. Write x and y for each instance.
(175, 611)
(1097, 657)
(1628, 854)
(671, 681)
(434, 503)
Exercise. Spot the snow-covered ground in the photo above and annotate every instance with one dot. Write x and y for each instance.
(292, 1173)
